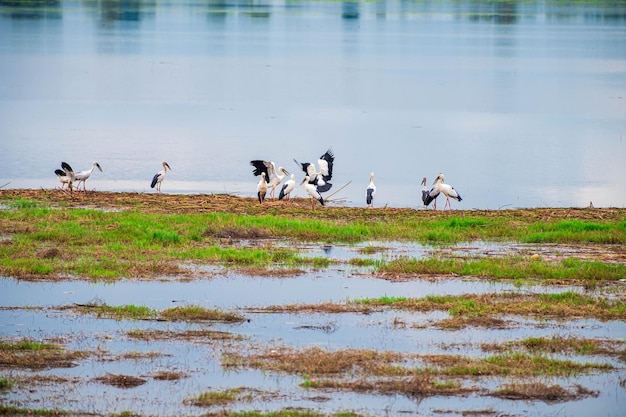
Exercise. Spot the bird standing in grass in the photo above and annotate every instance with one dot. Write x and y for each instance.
(320, 178)
(159, 177)
(273, 176)
(287, 188)
(83, 176)
(261, 188)
(65, 175)
(311, 190)
(429, 196)
(447, 190)
(370, 192)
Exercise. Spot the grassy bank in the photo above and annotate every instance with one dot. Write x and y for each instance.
(53, 234)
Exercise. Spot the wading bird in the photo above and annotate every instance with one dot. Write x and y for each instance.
(83, 176)
(159, 176)
(371, 192)
(320, 178)
(261, 188)
(311, 189)
(429, 196)
(447, 190)
(65, 175)
(287, 188)
(273, 176)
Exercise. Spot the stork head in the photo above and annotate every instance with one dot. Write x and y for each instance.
(97, 165)
(306, 179)
(439, 178)
(371, 176)
(166, 166)
(424, 181)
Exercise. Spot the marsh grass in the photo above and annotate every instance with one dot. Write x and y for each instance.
(15, 411)
(182, 313)
(287, 412)
(542, 392)
(141, 238)
(508, 364)
(561, 305)
(124, 312)
(197, 313)
(510, 268)
(121, 381)
(35, 355)
(5, 384)
(200, 335)
(319, 362)
(562, 345)
(220, 398)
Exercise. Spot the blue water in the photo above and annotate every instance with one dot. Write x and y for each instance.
(519, 104)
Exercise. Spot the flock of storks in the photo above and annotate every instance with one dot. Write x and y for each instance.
(315, 182)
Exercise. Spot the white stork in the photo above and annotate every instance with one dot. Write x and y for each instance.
(429, 196)
(261, 188)
(371, 192)
(447, 190)
(83, 176)
(159, 176)
(65, 175)
(287, 188)
(312, 190)
(273, 176)
(320, 178)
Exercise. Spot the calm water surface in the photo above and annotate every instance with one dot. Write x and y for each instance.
(518, 103)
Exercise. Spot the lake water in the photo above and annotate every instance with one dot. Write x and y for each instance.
(520, 104)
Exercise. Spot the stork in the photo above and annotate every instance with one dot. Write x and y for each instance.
(371, 192)
(287, 188)
(320, 178)
(261, 188)
(429, 196)
(312, 190)
(447, 190)
(273, 176)
(159, 176)
(83, 176)
(65, 175)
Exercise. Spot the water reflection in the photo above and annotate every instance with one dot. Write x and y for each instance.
(531, 91)
(49, 9)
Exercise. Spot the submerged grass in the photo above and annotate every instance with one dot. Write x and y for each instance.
(513, 268)
(34, 355)
(133, 312)
(567, 305)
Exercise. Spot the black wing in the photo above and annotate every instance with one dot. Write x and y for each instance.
(259, 167)
(66, 167)
(282, 192)
(154, 180)
(369, 197)
(329, 157)
(323, 188)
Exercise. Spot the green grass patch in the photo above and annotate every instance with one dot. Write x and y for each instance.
(215, 398)
(197, 313)
(124, 312)
(511, 364)
(566, 304)
(15, 411)
(513, 268)
(5, 383)
(45, 239)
